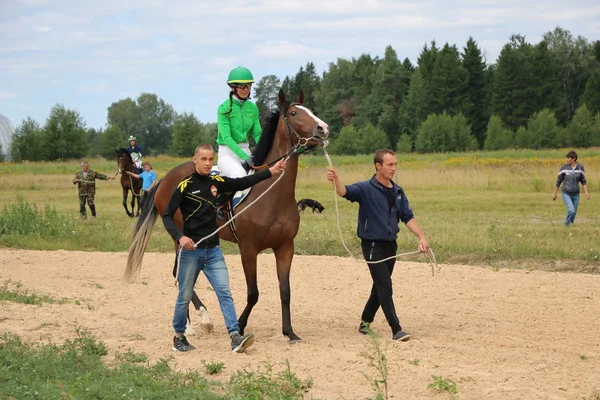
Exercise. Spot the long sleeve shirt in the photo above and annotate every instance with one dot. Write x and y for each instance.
(381, 209)
(570, 178)
(234, 127)
(195, 196)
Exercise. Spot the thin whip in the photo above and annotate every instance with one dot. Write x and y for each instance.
(429, 252)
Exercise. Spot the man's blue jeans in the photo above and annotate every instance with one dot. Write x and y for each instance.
(572, 202)
(212, 262)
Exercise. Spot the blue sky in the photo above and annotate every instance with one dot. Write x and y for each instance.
(88, 54)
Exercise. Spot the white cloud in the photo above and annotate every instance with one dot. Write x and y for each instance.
(42, 28)
(7, 95)
(91, 87)
(285, 50)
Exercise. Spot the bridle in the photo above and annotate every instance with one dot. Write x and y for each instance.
(300, 145)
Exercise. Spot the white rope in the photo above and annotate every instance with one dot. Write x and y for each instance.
(429, 252)
(245, 209)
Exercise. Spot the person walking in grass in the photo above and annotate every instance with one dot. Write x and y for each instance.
(86, 181)
(570, 176)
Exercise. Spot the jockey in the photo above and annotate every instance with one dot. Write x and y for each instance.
(136, 152)
(237, 117)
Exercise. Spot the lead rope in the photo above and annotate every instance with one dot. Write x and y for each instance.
(429, 252)
(233, 218)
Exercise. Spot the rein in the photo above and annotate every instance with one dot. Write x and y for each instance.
(120, 171)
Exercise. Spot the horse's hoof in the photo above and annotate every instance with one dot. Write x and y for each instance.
(208, 327)
(293, 338)
(206, 323)
(190, 331)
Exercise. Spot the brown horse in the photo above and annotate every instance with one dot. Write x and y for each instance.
(128, 182)
(273, 224)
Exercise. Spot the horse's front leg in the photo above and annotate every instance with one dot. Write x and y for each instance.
(283, 258)
(249, 264)
(125, 194)
(139, 198)
(133, 196)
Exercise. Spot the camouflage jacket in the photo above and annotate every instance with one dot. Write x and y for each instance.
(87, 185)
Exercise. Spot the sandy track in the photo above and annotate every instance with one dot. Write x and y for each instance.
(510, 334)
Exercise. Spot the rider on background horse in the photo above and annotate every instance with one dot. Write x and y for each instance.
(237, 117)
(136, 153)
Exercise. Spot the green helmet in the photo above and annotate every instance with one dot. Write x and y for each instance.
(132, 138)
(240, 75)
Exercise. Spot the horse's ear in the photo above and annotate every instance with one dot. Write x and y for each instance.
(282, 98)
(300, 98)
(116, 150)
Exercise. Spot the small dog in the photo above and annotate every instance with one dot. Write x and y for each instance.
(315, 205)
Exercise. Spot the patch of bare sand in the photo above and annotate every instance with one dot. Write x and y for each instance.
(510, 334)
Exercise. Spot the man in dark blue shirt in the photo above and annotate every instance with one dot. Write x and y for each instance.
(382, 205)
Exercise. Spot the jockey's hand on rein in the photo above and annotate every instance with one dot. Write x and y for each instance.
(248, 164)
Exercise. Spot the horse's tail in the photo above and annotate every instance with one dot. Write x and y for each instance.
(141, 235)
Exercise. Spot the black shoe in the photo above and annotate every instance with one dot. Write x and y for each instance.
(239, 343)
(180, 344)
(364, 327)
(401, 336)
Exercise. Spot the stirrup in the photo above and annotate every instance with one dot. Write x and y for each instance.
(222, 212)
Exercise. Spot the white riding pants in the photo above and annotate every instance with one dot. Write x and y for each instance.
(230, 164)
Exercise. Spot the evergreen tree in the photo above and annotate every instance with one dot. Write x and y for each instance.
(266, 91)
(514, 95)
(476, 90)
(449, 81)
(415, 108)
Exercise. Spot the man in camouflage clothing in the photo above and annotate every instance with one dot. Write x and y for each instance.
(86, 181)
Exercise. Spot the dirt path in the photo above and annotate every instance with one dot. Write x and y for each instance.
(510, 334)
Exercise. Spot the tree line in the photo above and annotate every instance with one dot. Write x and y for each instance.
(544, 95)
(540, 95)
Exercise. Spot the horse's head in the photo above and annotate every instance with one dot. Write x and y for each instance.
(304, 127)
(123, 159)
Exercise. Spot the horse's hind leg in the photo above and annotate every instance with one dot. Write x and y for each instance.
(249, 263)
(205, 320)
(283, 257)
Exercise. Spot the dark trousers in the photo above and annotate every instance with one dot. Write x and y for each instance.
(90, 201)
(381, 291)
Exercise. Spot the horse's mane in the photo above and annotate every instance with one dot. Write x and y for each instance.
(266, 139)
(123, 150)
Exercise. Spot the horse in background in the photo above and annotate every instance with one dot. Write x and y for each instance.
(273, 224)
(128, 182)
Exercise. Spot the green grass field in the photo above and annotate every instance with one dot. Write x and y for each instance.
(484, 208)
